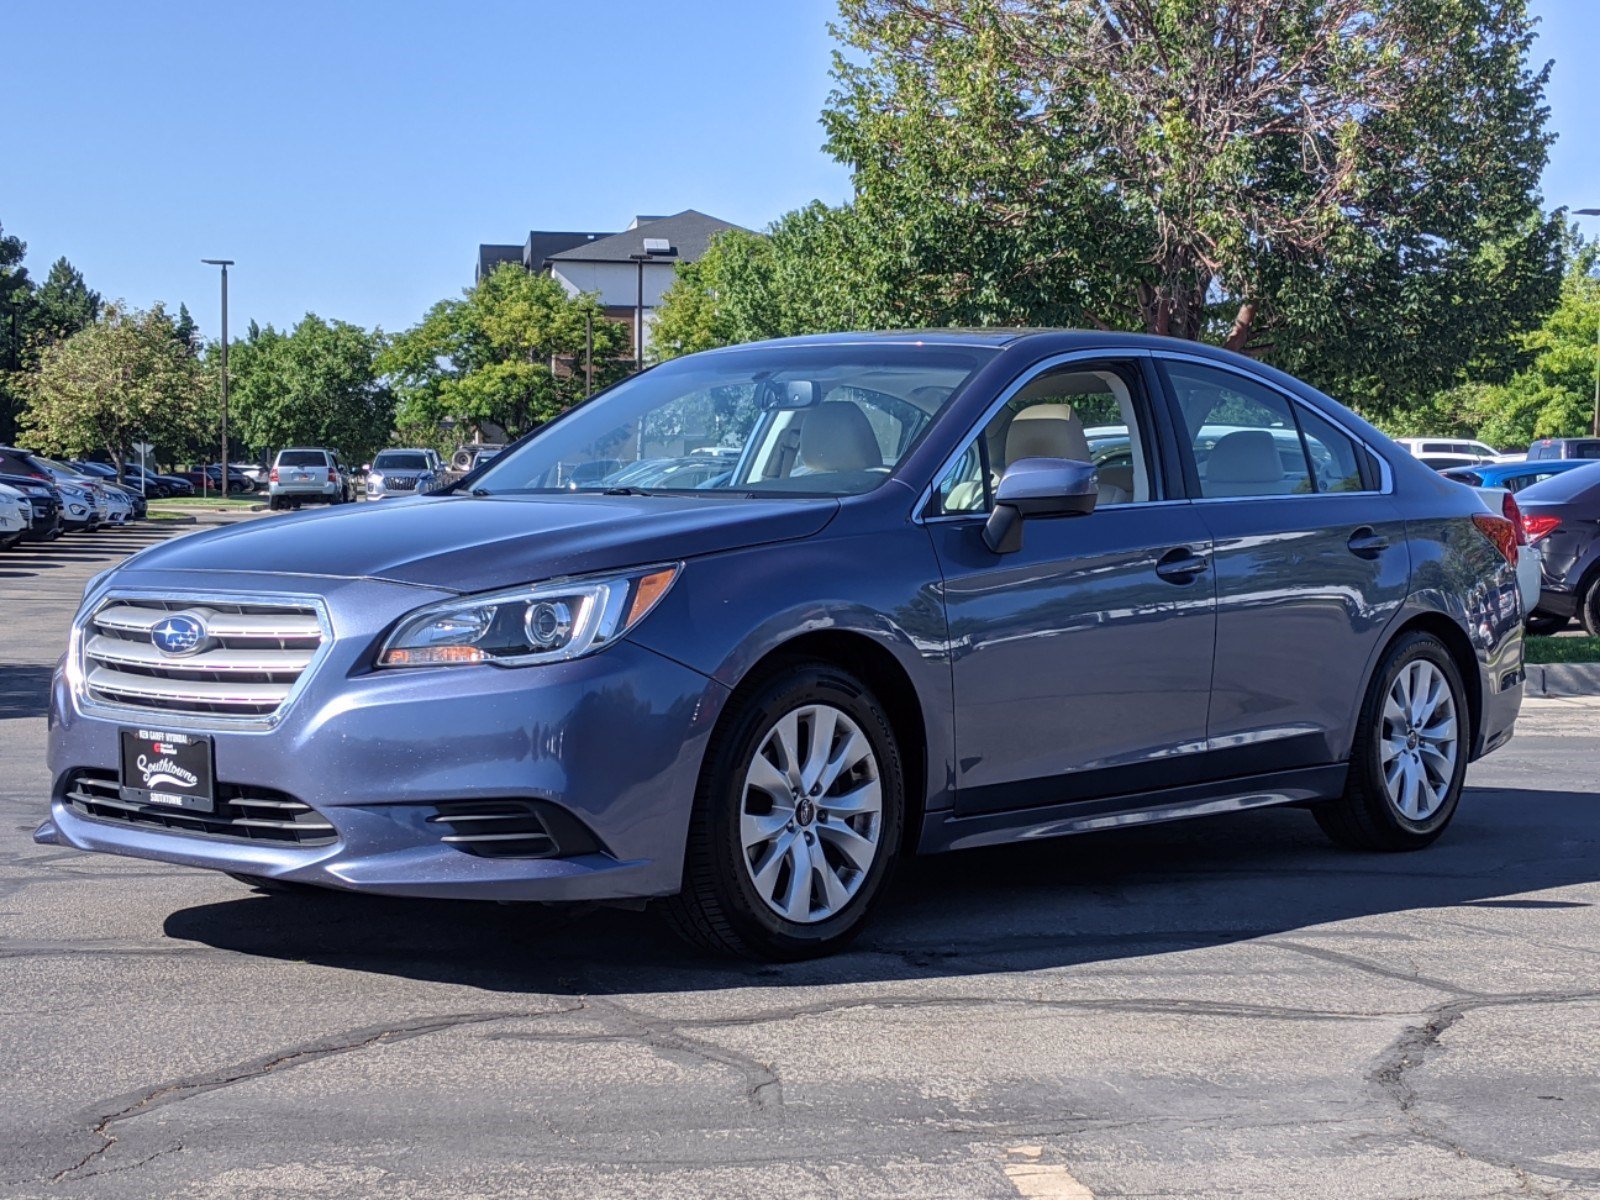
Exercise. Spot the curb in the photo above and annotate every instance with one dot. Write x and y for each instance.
(1564, 679)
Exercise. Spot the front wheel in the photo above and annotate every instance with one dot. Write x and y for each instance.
(1409, 759)
(797, 819)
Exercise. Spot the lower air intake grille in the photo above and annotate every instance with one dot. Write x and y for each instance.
(512, 829)
(247, 814)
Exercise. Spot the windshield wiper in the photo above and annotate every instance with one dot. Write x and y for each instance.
(626, 491)
(480, 491)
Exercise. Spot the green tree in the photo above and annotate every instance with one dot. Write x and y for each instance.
(1346, 187)
(122, 379)
(63, 304)
(1552, 396)
(16, 308)
(510, 352)
(317, 385)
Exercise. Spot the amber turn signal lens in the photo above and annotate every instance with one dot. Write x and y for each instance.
(432, 656)
(646, 592)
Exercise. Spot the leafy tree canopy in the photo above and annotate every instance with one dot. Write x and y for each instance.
(510, 352)
(1553, 396)
(1346, 187)
(122, 379)
(64, 304)
(317, 385)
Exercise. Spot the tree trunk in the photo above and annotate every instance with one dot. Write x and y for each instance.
(1239, 335)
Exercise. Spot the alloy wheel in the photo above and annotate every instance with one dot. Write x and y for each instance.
(811, 813)
(1420, 740)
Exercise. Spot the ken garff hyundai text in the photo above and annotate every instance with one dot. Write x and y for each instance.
(931, 591)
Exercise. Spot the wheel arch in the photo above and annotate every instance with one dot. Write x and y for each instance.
(882, 672)
(1461, 652)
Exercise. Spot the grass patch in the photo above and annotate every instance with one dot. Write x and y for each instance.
(192, 502)
(1563, 649)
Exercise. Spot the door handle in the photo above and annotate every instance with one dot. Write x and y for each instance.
(1366, 542)
(1181, 565)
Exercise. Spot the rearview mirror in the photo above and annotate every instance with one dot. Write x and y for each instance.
(791, 393)
(1038, 487)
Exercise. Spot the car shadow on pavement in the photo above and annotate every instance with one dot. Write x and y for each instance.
(1075, 901)
(24, 691)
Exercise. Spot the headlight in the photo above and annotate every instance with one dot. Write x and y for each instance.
(548, 622)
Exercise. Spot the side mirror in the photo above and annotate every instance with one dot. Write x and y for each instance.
(1038, 487)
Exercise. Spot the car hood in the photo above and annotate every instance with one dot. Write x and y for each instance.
(470, 544)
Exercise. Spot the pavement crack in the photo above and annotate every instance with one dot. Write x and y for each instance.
(137, 1103)
(763, 1089)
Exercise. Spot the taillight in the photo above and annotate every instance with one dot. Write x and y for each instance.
(1498, 530)
(273, 476)
(1509, 510)
(333, 476)
(1536, 525)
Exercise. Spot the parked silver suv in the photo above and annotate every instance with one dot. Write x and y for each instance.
(402, 473)
(308, 475)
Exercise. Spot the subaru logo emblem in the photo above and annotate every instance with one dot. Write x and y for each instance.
(178, 634)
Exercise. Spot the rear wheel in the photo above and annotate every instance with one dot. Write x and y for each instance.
(1410, 754)
(1589, 608)
(1543, 624)
(797, 821)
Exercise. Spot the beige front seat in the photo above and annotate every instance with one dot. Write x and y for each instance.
(1056, 431)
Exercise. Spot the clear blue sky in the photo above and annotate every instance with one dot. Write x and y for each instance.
(351, 156)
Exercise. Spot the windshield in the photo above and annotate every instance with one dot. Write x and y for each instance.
(789, 420)
(395, 460)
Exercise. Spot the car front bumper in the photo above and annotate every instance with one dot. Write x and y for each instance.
(615, 740)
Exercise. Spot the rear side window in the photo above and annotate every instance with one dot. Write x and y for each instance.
(1335, 462)
(1252, 440)
(1587, 450)
(302, 458)
(1244, 436)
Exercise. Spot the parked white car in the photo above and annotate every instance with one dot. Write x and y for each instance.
(16, 516)
(1470, 449)
(119, 509)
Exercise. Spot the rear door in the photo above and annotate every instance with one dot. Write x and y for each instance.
(1310, 563)
(1081, 663)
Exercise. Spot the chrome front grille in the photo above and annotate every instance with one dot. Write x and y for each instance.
(399, 483)
(244, 814)
(246, 662)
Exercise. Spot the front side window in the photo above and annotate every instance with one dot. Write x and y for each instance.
(784, 420)
(1083, 412)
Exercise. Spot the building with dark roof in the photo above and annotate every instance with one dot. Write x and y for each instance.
(629, 271)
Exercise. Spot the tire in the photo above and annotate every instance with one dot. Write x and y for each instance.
(10, 542)
(1369, 816)
(1543, 624)
(722, 906)
(1589, 608)
(274, 504)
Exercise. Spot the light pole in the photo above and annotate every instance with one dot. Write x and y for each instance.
(1594, 421)
(224, 263)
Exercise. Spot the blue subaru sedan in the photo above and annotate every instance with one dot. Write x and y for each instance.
(919, 592)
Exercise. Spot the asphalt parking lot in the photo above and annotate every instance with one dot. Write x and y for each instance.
(1225, 1008)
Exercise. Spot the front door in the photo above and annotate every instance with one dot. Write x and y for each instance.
(1082, 662)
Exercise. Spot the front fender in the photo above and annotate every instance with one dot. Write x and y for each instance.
(730, 611)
